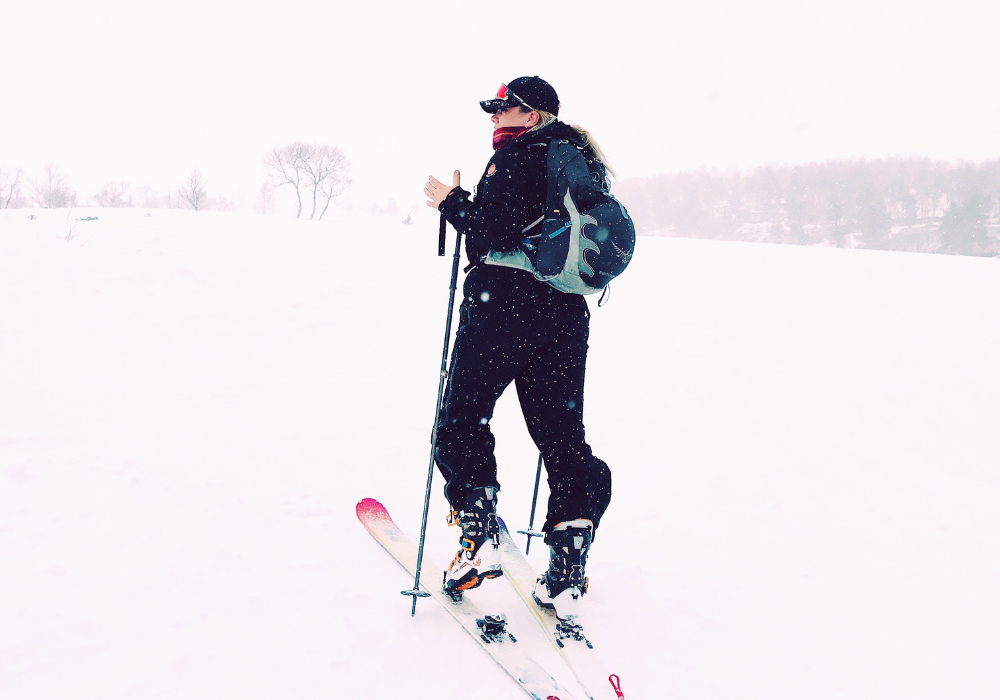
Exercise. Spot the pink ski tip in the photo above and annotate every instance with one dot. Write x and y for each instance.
(370, 509)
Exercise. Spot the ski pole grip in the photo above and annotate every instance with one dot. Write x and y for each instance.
(441, 236)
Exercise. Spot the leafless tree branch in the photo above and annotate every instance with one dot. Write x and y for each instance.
(327, 171)
(193, 192)
(10, 188)
(113, 194)
(53, 192)
(321, 168)
(286, 166)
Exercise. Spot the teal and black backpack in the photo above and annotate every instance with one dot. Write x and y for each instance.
(585, 238)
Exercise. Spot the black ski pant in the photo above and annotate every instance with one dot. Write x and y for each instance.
(535, 337)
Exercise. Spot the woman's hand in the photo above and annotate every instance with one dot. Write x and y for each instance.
(436, 191)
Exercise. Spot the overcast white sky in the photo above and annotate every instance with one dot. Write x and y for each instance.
(146, 92)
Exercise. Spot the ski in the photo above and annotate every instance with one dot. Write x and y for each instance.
(570, 641)
(489, 631)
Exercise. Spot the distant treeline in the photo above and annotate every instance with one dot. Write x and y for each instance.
(315, 173)
(910, 204)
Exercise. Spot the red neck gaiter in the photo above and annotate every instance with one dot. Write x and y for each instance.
(505, 134)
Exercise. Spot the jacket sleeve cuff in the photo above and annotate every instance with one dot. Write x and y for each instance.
(455, 208)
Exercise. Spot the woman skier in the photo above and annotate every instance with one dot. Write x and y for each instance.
(514, 328)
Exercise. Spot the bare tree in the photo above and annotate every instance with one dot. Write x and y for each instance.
(193, 191)
(286, 166)
(113, 194)
(53, 192)
(265, 198)
(10, 188)
(304, 166)
(330, 188)
(326, 169)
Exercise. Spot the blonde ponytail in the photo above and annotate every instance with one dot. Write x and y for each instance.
(544, 118)
(590, 143)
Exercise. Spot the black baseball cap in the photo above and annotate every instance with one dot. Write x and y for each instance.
(532, 92)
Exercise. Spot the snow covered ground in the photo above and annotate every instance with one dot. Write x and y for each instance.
(804, 447)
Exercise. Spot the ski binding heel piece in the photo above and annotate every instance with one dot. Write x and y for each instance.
(570, 629)
(493, 628)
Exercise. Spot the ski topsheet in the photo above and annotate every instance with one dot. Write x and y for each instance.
(511, 657)
(576, 649)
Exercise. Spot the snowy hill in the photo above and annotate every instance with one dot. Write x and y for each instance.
(803, 442)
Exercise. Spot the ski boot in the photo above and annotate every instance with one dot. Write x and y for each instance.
(479, 556)
(564, 584)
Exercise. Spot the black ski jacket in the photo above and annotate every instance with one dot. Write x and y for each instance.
(510, 195)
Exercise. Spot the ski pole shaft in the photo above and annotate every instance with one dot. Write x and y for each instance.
(416, 592)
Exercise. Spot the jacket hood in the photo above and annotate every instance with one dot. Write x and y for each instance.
(555, 129)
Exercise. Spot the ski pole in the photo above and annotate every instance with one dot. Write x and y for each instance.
(415, 592)
(530, 532)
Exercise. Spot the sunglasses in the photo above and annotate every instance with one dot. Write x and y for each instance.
(505, 93)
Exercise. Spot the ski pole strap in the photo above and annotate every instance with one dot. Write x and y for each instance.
(616, 684)
(441, 236)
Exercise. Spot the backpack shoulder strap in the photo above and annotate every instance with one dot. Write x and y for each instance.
(561, 153)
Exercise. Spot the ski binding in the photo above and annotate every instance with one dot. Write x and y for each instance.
(570, 629)
(493, 628)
